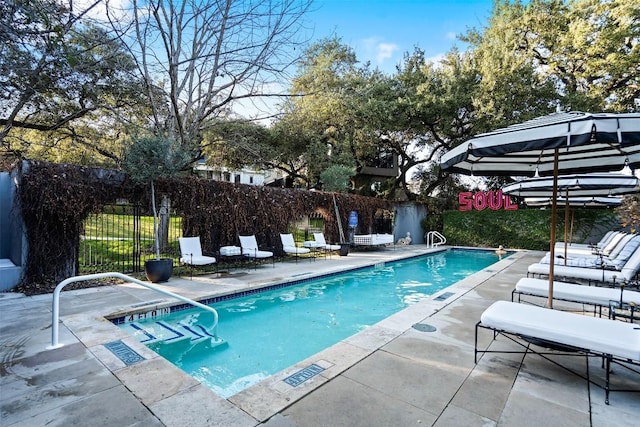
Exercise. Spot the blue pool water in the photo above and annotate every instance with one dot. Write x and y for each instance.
(272, 330)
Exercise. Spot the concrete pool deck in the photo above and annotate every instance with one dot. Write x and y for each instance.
(391, 374)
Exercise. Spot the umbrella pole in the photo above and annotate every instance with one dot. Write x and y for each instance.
(552, 239)
(566, 224)
(573, 217)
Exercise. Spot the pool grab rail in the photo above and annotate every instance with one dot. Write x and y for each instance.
(56, 301)
(431, 239)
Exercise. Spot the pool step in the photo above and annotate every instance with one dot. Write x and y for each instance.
(162, 332)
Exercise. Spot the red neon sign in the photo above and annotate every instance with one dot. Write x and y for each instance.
(481, 200)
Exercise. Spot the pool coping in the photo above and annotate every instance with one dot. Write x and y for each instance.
(272, 395)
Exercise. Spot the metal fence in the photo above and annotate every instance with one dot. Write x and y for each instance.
(121, 238)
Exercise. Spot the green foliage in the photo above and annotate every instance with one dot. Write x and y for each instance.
(150, 158)
(56, 200)
(236, 144)
(336, 178)
(521, 229)
(578, 54)
(432, 222)
(63, 76)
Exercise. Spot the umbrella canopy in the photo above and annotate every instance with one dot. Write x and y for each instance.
(571, 186)
(582, 185)
(578, 202)
(566, 143)
(584, 142)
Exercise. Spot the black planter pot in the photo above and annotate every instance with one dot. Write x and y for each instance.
(158, 270)
(344, 249)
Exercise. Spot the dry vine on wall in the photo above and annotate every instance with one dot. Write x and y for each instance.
(56, 199)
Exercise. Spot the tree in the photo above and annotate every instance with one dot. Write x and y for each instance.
(336, 178)
(149, 158)
(236, 143)
(59, 72)
(537, 57)
(580, 55)
(316, 129)
(199, 58)
(417, 113)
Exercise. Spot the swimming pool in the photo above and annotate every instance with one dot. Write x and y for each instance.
(272, 329)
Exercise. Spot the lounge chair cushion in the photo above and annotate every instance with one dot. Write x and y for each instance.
(624, 254)
(596, 334)
(626, 273)
(593, 295)
(230, 251)
(191, 252)
(250, 249)
(586, 248)
(289, 245)
(615, 261)
(322, 243)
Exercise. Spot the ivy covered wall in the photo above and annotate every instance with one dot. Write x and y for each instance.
(55, 199)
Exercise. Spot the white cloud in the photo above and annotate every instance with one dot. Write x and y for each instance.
(436, 59)
(377, 51)
(385, 51)
(98, 10)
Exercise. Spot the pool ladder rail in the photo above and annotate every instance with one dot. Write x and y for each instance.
(55, 309)
(434, 239)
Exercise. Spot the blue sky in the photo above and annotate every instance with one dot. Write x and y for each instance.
(381, 31)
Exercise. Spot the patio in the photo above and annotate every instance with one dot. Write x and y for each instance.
(390, 374)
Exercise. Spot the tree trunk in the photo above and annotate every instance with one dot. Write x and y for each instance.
(163, 226)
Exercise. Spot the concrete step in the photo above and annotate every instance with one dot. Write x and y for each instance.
(163, 332)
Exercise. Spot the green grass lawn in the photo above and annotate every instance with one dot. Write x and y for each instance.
(108, 242)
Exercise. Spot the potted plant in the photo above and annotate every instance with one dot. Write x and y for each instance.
(147, 159)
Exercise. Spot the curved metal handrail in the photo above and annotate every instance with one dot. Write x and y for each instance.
(56, 301)
(430, 240)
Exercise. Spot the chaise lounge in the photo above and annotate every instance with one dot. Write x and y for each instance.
(289, 246)
(191, 253)
(250, 249)
(596, 296)
(565, 333)
(320, 243)
(604, 246)
(617, 257)
(626, 274)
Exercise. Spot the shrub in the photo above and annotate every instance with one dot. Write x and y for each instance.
(524, 228)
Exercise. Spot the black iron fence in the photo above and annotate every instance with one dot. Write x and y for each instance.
(121, 238)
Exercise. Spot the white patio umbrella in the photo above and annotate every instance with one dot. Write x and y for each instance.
(573, 202)
(579, 202)
(571, 186)
(560, 143)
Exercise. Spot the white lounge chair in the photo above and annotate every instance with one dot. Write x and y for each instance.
(592, 295)
(615, 260)
(626, 274)
(191, 253)
(289, 246)
(587, 248)
(614, 341)
(249, 247)
(322, 242)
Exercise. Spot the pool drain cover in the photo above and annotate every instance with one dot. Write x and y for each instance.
(423, 327)
(124, 352)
